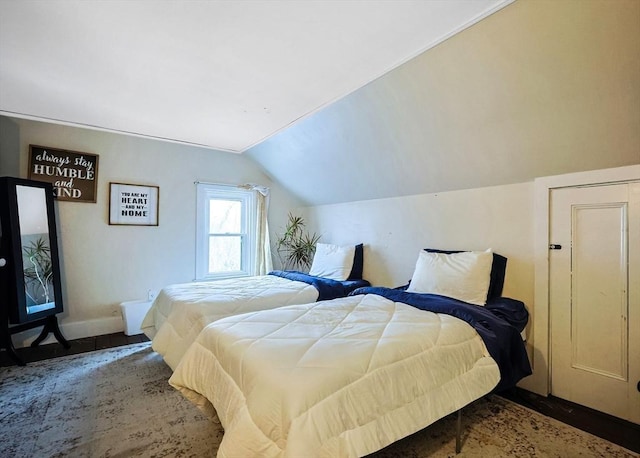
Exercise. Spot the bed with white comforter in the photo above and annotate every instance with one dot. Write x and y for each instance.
(339, 378)
(181, 311)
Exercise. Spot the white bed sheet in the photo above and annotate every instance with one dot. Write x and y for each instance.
(181, 311)
(339, 378)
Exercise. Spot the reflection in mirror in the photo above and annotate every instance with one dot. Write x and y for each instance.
(36, 253)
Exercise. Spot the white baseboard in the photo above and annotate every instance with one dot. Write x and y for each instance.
(72, 330)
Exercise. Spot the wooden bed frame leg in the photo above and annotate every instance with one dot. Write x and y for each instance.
(459, 432)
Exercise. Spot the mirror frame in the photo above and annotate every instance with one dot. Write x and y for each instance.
(12, 274)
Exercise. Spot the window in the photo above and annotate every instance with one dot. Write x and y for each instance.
(225, 226)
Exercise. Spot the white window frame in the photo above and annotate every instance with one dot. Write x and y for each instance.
(206, 192)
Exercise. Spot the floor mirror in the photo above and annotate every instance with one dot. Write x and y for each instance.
(31, 294)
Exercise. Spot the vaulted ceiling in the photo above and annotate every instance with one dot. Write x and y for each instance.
(341, 101)
(221, 74)
(536, 89)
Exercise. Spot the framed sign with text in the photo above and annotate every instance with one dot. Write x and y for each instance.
(74, 175)
(133, 205)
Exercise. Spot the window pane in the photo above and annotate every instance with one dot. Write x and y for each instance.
(225, 253)
(225, 232)
(225, 216)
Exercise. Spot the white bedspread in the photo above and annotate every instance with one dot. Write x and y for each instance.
(181, 311)
(340, 378)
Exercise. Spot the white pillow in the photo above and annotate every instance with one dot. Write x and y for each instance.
(464, 276)
(333, 261)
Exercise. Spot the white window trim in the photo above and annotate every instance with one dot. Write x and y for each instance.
(205, 192)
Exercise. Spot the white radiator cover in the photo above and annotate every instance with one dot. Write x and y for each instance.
(133, 312)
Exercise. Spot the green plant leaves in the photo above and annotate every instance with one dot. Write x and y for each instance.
(296, 247)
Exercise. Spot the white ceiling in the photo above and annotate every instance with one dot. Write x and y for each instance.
(220, 74)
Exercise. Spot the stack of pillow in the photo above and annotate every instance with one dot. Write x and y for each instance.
(465, 275)
(337, 262)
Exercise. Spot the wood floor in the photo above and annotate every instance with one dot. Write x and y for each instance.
(599, 424)
(39, 353)
(618, 431)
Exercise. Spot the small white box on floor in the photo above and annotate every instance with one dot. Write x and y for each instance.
(133, 312)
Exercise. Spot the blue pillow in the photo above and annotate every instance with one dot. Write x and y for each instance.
(358, 261)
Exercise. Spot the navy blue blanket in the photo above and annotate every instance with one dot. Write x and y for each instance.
(327, 288)
(501, 335)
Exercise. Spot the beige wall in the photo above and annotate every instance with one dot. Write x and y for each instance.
(103, 265)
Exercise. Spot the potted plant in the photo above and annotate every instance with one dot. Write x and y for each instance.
(296, 246)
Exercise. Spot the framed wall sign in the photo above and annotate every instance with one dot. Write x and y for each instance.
(132, 204)
(74, 175)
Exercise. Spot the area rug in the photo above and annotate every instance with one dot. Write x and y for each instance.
(118, 403)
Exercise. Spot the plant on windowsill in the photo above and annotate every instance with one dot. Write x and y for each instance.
(296, 246)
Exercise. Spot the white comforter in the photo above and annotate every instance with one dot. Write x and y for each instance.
(181, 311)
(340, 378)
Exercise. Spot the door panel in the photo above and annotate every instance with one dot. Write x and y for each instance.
(594, 354)
(598, 284)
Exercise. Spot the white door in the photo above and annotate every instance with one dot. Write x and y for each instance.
(594, 287)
